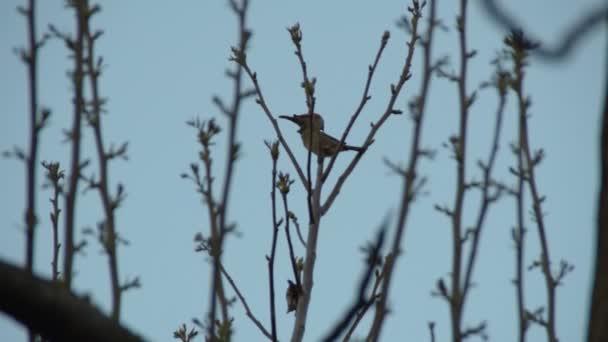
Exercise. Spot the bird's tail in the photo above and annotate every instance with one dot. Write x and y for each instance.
(352, 148)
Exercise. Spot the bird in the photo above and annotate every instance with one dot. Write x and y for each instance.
(292, 295)
(321, 144)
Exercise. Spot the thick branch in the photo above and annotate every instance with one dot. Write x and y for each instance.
(597, 330)
(50, 310)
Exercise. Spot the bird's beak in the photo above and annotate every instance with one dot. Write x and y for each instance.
(292, 118)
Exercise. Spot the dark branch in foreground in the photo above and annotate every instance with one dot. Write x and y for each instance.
(598, 329)
(50, 310)
(361, 300)
(568, 41)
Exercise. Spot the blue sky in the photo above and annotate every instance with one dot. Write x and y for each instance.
(165, 61)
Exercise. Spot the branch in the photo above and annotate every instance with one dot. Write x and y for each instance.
(244, 302)
(262, 102)
(409, 179)
(460, 148)
(520, 46)
(292, 256)
(54, 175)
(30, 59)
(309, 93)
(597, 330)
(487, 168)
(364, 98)
(390, 109)
(93, 71)
(49, 309)
(77, 75)
(274, 154)
(361, 302)
(310, 258)
(568, 41)
(232, 154)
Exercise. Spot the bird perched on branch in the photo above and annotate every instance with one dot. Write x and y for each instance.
(313, 137)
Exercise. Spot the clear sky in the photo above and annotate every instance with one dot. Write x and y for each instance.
(164, 62)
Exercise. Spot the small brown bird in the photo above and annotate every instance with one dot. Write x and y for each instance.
(292, 295)
(321, 144)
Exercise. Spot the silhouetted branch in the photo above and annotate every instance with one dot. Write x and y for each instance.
(250, 314)
(309, 92)
(29, 56)
(262, 102)
(577, 31)
(109, 203)
(206, 133)
(432, 331)
(520, 46)
(500, 81)
(238, 97)
(395, 90)
(409, 181)
(283, 185)
(274, 154)
(597, 329)
(52, 311)
(459, 144)
(54, 175)
(76, 48)
(364, 98)
(372, 259)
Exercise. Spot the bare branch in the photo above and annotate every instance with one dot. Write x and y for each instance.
(251, 316)
(364, 98)
(409, 179)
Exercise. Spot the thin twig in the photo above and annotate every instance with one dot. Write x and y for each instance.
(309, 91)
(390, 110)
(460, 152)
(520, 231)
(232, 154)
(486, 198)
(361, 302)
(373, 298)
(520, 46)
(409, 179)
(519, 234)
(30, 58)
(432, 331)
(292, 256)
(93, 72)
(262, 102)
(274, 152)
(54, 175)
(364, 98)
(295, 223)
(77, 48)
(245, 305)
